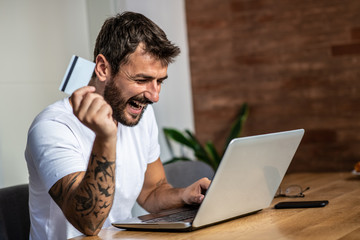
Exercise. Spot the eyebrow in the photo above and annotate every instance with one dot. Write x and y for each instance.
(141, 75)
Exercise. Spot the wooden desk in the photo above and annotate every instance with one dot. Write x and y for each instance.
(340, 219)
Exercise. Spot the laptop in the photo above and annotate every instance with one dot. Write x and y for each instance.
(245, 182)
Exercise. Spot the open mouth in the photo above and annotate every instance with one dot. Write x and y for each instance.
(136, 105)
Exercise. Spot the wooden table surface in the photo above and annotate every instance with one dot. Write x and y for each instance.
(340, 219)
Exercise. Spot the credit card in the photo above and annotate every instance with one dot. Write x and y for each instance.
(77, 75)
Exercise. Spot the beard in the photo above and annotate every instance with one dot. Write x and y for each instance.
(115, 98)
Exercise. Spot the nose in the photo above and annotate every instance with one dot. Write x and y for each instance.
(152, 91)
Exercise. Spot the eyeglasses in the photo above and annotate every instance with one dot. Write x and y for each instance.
(292, 191)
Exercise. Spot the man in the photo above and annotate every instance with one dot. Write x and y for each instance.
(91, 156)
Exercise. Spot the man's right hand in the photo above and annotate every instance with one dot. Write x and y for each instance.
(94, 112)
(87, 197)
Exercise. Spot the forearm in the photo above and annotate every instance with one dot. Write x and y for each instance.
(88, 196)
(164, 197)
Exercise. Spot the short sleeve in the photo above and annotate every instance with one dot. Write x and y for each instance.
(54, 151)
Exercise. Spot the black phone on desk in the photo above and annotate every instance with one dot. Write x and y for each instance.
(301, 204)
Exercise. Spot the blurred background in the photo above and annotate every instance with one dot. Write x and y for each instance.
(37, 41)
(295, 63)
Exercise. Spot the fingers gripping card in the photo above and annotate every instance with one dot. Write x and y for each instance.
(77, 75)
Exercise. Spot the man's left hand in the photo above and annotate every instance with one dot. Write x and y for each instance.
(194, 194)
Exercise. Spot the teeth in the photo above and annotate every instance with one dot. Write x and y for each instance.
(139, 105)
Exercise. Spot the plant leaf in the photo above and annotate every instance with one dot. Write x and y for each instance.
(213, 155)
(168, 144)
(198, 148)
(207, 153)
(237, 126)
(199, 151)
(178, 137)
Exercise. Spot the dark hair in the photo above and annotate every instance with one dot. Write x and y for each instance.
(120, 35)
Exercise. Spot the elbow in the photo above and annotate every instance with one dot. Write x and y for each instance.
(91, 228)
(87, 227)
(147, 207)
(89, 232)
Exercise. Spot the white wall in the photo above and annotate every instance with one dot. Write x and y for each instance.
(38, 38)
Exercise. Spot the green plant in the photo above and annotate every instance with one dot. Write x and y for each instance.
(208, 152)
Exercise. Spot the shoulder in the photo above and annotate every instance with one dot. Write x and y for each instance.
(59, 112)
(56, 125)
(58, 109)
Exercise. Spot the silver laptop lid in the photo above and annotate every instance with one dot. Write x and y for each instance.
(248, 176)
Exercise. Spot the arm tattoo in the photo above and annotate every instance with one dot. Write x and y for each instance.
(58, 191)
(92, 197)
(96, 195)
(73, 180)
(86, 204)
(103, 169)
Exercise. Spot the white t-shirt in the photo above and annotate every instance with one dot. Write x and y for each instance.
(59, 144)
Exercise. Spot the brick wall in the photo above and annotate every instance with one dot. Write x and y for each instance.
(295, 62)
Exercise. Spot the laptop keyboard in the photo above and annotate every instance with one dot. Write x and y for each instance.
(176, 217)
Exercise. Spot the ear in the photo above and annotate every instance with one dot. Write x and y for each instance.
(102, 68)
